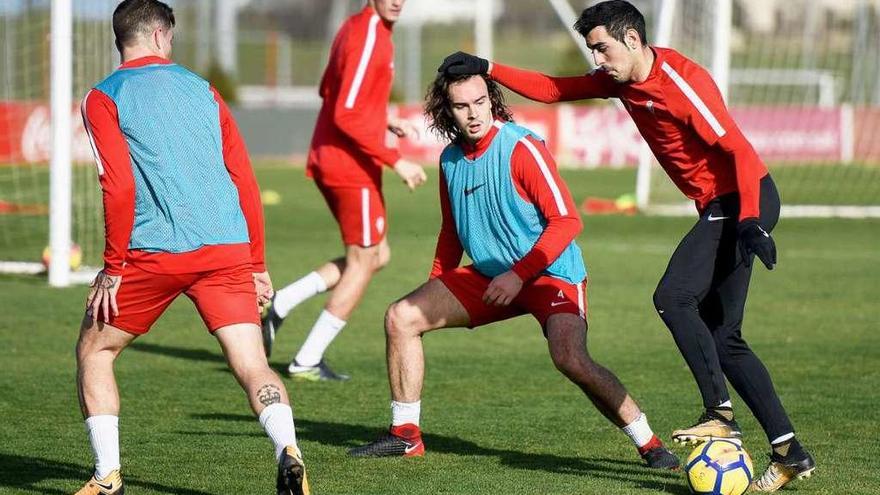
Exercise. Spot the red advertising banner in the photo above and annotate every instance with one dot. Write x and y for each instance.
(866, 138)
(579, 136)
(603, 136)
(793, 134)
(26, 134)
(596, 136)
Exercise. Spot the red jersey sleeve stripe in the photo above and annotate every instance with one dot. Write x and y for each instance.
(88, 128)
(694, 99)
(545, 171)
(363, 63)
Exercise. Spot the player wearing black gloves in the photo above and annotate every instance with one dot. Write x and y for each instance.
(701, 298)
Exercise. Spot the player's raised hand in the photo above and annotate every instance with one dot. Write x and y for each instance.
(461, 63)
(503, 289)
(754, 239)
(403, 128)
(265, 291)
(102, 296)
(413, 174)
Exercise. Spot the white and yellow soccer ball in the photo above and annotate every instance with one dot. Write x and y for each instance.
(76, 256)
(719, 467)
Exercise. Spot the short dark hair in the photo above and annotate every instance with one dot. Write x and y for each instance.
(136, 17)
(617, 16)
(439, 107)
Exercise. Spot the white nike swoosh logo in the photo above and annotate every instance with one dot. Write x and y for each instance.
(554, 304)
(714, 219)
(412, 447)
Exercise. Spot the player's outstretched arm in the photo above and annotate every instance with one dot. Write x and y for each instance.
(530, 84)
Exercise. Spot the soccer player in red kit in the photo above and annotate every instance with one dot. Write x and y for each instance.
(680, 112)
(346, 160)
(182, 215)
(505, 205)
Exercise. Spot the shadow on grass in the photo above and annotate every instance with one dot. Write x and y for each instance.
(193, 355)
(25, 473)
(178, 352)
(618, 470)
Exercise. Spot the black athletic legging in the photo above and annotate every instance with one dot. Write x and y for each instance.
(701, 298)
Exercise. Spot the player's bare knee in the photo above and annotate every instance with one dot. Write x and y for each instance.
(91, 345)
(252, 369)
(401, 320)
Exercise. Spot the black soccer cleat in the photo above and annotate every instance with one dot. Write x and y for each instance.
(661, 458)
(292, 478)
(270, 323)
(320, 372)
(391, 445)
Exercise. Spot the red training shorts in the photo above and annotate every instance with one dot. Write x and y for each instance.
(541, 297)
(223, 297)
(359, 211)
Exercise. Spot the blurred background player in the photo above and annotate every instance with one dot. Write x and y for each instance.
(504, 203)
(346, 160)
(182, 216)
(680, 112)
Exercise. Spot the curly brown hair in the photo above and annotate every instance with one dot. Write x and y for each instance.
(438, 106)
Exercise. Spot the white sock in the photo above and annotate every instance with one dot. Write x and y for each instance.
(291, 296)
(277, 420)
(783, 438)
(405, 412)
(726, 403)
(639, 431)
(104, 437)
(325, 330)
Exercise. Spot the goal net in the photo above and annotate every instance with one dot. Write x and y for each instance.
(801, 80)
(26, 135)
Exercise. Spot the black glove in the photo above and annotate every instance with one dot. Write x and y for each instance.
(754, 239)
(461, 63)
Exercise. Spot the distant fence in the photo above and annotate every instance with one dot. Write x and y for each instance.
(579, 136)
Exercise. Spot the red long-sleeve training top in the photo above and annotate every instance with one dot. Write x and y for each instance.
(348, 145)
(679, 111)
(532, 186)
(101, 121)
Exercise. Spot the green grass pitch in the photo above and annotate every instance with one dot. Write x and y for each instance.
(498, 419)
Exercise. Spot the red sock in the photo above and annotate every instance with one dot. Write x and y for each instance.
(652, 444)
(407, 431)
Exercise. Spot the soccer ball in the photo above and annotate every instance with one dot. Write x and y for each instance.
(75, 256)
(719, 467)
